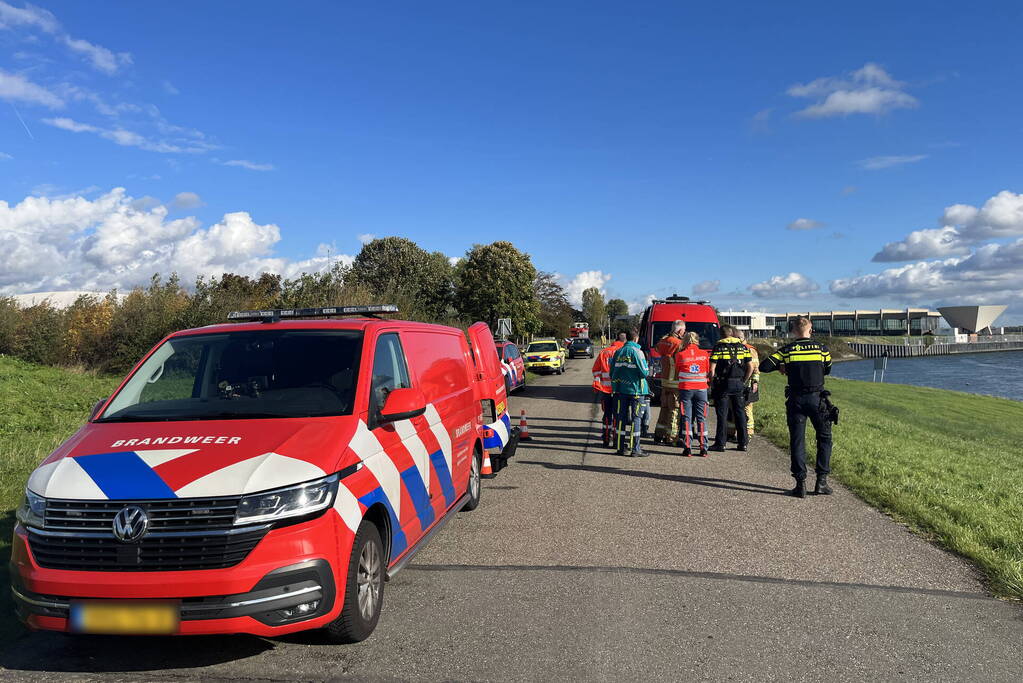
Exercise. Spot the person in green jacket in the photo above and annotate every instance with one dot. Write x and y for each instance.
(629, 372)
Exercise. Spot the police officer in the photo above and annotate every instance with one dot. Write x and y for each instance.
(805, 363)
(730, 369)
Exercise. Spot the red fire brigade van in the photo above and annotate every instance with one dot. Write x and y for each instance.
(698, 316)
(260, 477)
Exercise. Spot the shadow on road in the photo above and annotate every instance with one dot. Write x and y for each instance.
(745, 486)
(570, 393)
(110, 654)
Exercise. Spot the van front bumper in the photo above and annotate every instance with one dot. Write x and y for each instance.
(287, 583)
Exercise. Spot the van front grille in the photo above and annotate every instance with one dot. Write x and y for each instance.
(183, 534)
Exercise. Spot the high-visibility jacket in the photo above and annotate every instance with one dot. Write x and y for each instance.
(666, 348)
(602, 368)
(629, 371)
(692, 364)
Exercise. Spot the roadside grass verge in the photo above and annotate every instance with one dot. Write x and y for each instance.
(40, 406)
(947, 464)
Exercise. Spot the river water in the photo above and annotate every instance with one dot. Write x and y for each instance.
(995, 374)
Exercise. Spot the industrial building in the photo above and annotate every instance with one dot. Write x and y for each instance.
(875, 322)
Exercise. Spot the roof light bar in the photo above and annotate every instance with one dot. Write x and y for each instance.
(277, 314)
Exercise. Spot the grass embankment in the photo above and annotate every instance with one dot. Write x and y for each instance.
(947, 464)
(39, 407)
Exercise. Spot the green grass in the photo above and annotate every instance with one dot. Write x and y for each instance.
(39, 407)
(947, 464)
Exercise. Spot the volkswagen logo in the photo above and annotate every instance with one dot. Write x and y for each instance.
(130, 524)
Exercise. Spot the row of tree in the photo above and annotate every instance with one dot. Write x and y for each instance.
(492, 281)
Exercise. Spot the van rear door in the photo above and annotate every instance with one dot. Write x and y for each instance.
(489, 378)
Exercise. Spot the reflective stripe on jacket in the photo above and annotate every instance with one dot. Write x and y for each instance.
(602, 368)
(693, 364)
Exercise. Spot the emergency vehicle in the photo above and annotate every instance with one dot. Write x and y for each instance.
(579, 330)
(264, 477)
(513, 366)
(545, 355)
(699, 317)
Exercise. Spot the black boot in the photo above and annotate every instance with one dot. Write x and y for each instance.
(800, 490)
(821, 488)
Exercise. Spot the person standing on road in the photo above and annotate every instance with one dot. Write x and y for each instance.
(693, 366)
(753, 385)
(629, 372)
(730, 369)
(805, 363)
(602, 385)
(666, 430)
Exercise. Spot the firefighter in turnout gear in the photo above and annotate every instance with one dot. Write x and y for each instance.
(730, 369)
(805, 363)
(602, 385)
(666, 430)
(629, 372)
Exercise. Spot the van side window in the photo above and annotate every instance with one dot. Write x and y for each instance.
(389, 370)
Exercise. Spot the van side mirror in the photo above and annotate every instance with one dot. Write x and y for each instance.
(403, 404)
(96, 408)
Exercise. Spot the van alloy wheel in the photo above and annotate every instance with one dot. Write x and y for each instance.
(369, 579)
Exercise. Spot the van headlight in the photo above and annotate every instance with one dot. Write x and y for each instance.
(32, 511)
(293, 501)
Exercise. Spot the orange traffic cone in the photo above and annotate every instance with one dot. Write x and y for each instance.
(524, 428)
(487, 470)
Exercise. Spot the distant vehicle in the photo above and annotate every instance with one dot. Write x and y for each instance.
(699, 317)
(513, 366)
(260, 477)
(545, 355)
(579, 330)
(580, 347)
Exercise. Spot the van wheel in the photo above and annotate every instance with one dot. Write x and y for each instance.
(364, 588)
(475, 487)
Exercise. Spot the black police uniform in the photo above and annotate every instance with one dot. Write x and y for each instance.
(731, 358)
(806, 363)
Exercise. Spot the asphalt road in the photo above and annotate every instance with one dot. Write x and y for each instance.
(583, 565)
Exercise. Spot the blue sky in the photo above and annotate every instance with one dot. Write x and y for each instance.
(645, 147)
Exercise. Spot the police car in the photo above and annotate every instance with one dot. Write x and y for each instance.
(262, 477)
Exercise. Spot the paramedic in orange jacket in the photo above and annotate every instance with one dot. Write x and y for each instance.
(693, 366)
(666, 430)
(602, 384)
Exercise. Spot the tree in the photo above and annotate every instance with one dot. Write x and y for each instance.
(616, 308)
(555, 311)
(398, 267)
(496, 281)
(594, 309)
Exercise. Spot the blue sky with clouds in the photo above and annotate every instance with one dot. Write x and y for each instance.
(783, 156)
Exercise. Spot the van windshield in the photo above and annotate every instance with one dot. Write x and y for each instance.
(243, 375)
(541, 347)
(709, 332)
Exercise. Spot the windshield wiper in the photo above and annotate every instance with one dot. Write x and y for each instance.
(189, 418)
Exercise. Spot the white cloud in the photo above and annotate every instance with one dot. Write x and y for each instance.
(637, 306)
(366, 237)
(781, 286)
(250, 165)
(186, 200)
(4, 156)
(877, 163)
(169, 88)
(28, 16)
(1001, 216)
(707, 287)
(127, 138)
(804, 224)
(17, 88)
(454, 260)
(581, 281)
(49, 244)
(100, 57)
(868, 90)
(849, 189)
(921, 244)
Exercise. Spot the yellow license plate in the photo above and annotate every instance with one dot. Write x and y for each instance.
(125, 618)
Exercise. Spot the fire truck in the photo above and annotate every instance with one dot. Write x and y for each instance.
(699, 317)
(579, 330)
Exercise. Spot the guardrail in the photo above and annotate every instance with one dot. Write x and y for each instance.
(937, 349)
